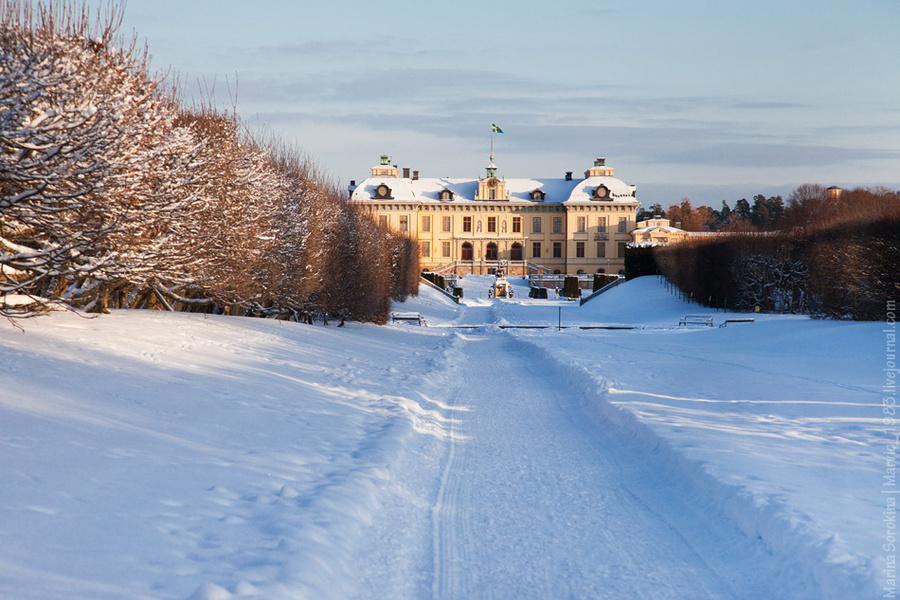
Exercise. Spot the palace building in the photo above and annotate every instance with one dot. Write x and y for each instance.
(566, 225)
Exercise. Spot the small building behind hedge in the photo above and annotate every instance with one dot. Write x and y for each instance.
(657, 230)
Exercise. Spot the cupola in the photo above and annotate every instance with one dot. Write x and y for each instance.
(491, 169)
(492, 188)
(385, 169)
(599, 169)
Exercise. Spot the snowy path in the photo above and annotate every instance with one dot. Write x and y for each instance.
(535, 503)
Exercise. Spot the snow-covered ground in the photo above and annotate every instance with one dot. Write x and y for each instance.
(155, 455)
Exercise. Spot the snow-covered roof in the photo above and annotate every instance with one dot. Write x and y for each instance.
(619, 191)
(662, 228)
(556, 190)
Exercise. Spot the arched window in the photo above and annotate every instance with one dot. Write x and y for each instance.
(515, 252)
(490, 253)
(446, 195)
(467, 253)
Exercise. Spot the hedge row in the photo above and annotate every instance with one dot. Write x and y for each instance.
(847, 271)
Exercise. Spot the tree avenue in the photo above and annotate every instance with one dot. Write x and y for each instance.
(114, 194)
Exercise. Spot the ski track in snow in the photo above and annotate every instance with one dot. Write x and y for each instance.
(567, 504)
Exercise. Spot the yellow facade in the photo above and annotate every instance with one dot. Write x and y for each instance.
(657, 231)
(472, 226)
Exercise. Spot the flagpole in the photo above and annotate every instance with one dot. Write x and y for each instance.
(492, 144)
(494, 129)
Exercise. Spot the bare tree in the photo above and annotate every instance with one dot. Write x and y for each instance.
(111, 194)
(806, 205)
(76, 108)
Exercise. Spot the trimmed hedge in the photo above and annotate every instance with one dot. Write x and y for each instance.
(570, 287)
(847, 271)
(436, 279)
(855, 270)
(639, 261)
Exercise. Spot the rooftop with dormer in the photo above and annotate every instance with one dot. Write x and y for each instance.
(386, 183)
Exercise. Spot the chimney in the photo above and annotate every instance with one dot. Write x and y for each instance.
(568, 175)
(415, 175)
(405, 172)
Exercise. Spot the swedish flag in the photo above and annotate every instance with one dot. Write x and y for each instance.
(495, 129)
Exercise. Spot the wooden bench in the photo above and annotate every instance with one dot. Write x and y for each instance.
(727, 321)
(411, 316)
(696, 320)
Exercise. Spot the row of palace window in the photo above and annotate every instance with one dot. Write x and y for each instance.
(515, 252)
(536, 224)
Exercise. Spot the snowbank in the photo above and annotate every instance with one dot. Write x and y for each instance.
(165, 455)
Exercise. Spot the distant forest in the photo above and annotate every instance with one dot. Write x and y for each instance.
(113, 193)
(809, 205)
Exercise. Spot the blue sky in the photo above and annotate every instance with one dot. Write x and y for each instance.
(706, 99)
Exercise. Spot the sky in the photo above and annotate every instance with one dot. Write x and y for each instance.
(703, 99)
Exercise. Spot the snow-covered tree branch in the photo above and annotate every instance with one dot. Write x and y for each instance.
(114, 195)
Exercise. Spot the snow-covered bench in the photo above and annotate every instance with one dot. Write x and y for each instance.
(696, 320)
(727, 321)
(408, 316)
